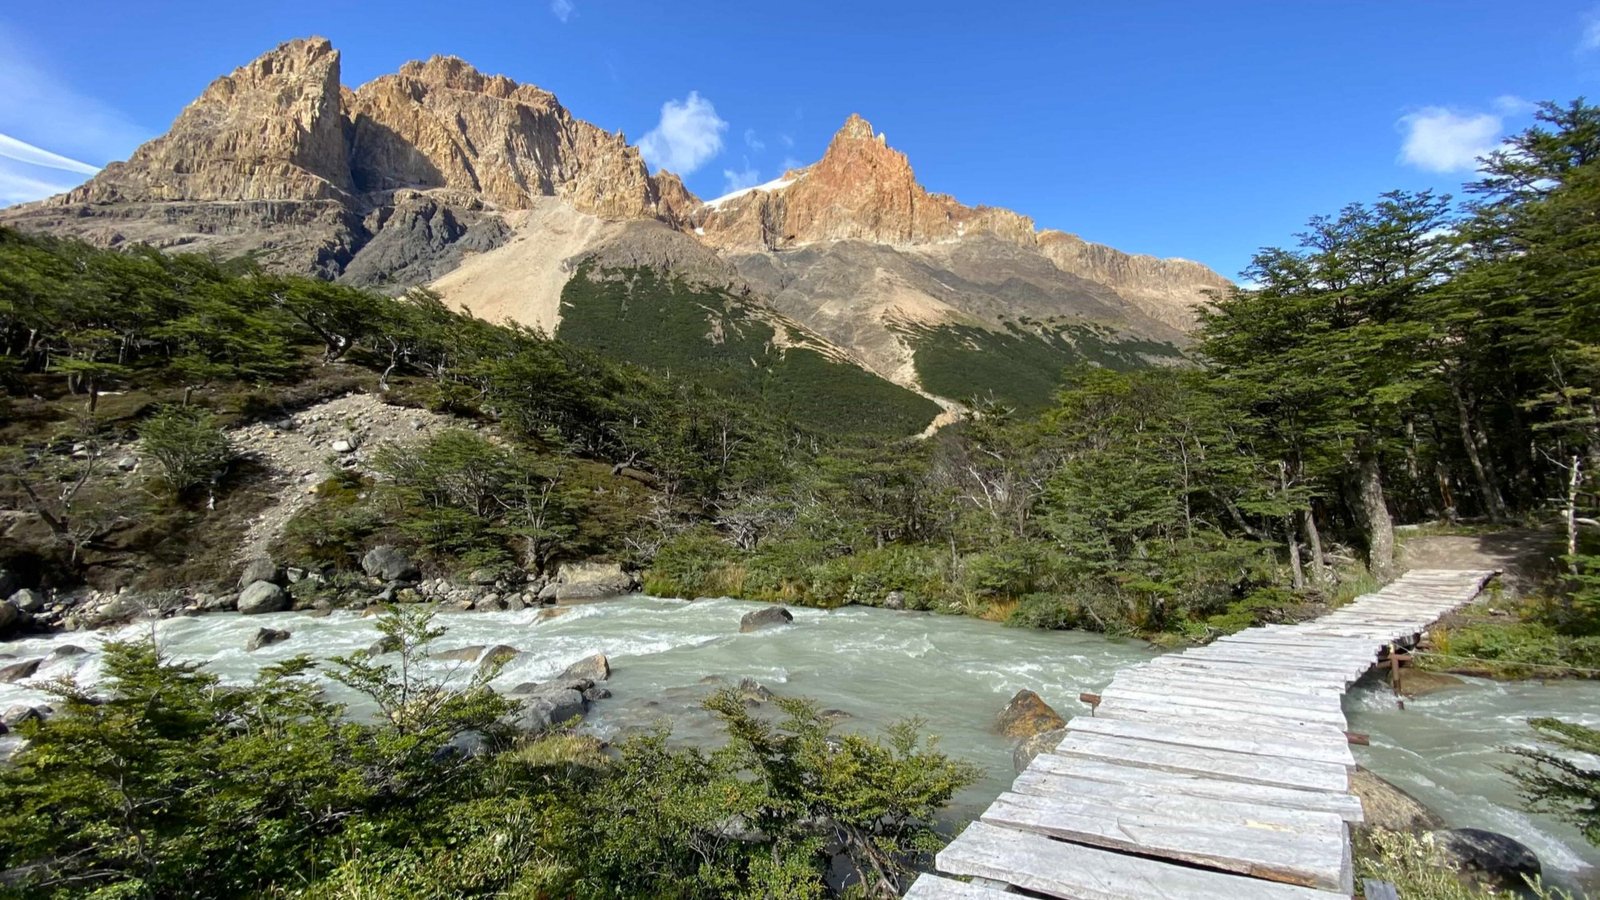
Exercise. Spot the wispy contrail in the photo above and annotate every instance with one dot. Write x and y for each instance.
(24, 152)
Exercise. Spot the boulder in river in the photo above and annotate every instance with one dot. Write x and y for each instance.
(19, 671)
(1027, 715)
(594, 668)
(1029, 747)
(1487, 856)
(763, 618)
(389, 563)
(895, 600)
(387, 644)
(22, 712)
(260, 569)
(66, 650)
(591, 581)
(544, 711)
(265, 637)
(263, 597)
(9, 616)
(1385, 806)
(459, 654)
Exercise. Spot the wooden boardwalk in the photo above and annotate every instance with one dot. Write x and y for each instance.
(1218, 772)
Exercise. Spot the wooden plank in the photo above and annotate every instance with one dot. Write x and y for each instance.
(1058, 869)
(1277, 658)
(1309, 849)
(1227, 669)
(1146, 678)
(1051, 776)
(932, 887)
(1242, 767)
(1179, 709)
(1232, 701)
(1233, 740)
(1290, 739)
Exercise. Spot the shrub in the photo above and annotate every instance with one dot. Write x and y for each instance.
(188, 445)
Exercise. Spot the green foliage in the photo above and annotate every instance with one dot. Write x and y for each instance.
(1021, 366)
(167, 784)
(189, 445)
(728, 344)
(1420, 872)
(1560, 776)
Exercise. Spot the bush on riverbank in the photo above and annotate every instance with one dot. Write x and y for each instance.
(163, 783)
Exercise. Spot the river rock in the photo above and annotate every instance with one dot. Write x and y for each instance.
(752, 691)
(895, 600)
(9, 616)
(596, 693)
(459, 654)
(260, 569)
(1027, 715)
(19, 671)
(27, 601)
(265, 637)
(9, 583)
(1490, 857)
(590, 581)
(22, 712)
(1420, 682)
(763, 618)
(1029, 747)
(594, 668)
(67, 650)
(262, 597)
(387, 644)
(464, 745)
(1385, 806)
(545, 710)
(389, 563)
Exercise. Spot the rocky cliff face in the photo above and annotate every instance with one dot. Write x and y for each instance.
(279, 160)
(861, 189)
(272, 130)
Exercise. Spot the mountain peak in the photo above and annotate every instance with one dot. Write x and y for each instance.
(856, 128)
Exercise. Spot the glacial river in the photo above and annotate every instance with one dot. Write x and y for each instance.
(877, 666)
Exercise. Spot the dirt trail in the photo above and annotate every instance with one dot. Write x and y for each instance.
(1523, 555)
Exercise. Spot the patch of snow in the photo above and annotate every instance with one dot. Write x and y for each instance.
(777, 184)
(699, 230)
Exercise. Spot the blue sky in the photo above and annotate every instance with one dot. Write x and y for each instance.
(1193, 129)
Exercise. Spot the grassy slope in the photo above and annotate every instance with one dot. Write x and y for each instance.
(713, 336)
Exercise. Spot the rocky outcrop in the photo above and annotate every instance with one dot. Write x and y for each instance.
(861, 189)
(1171, 291)
(590, 581)
(272, 130)
(595, 667)
(1027, 715)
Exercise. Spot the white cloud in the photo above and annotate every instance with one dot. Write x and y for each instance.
(738, 181)
(1441, 140)
(753, 141)
(562, 9)
(39, 108)
(688, 135)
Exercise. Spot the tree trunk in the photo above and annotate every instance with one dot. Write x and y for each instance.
(1308, 524)
(1472, 439)
(1375, 512)
(1294, 554)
